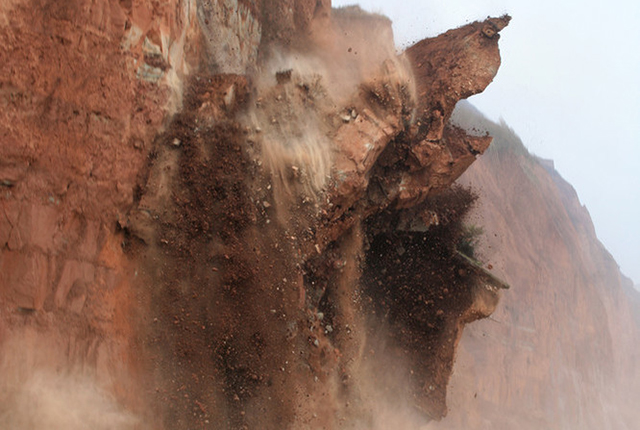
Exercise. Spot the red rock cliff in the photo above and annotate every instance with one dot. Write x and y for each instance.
(190, 193)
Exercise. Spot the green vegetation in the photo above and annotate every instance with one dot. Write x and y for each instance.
(469, 239)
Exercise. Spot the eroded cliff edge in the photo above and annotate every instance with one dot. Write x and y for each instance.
(232, 214)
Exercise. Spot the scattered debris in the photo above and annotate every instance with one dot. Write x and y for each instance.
(283, 76)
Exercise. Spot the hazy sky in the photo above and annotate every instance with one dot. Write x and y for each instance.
(569, 85)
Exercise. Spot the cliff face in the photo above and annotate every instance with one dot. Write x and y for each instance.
(561, 350)
(196, 200)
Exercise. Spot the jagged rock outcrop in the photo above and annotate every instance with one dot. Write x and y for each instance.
(189, 190)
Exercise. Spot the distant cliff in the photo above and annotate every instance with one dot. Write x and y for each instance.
(562, 350)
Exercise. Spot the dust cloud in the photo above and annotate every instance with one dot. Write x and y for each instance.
(37, 395)
(294, 123)
(61, 402)
(383, 400)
